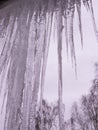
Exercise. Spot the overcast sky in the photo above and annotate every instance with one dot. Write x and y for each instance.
(73, 88)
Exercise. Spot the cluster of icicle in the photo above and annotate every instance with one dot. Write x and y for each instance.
(26, 27)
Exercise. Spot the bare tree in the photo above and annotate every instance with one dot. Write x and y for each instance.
(50, 116)
(84, 116)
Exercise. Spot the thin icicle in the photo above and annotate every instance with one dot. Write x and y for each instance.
(70, 33)
(59, 50)
(78, 6)
(93, 19)
(66, 33)
(89, 6)
(66, 25)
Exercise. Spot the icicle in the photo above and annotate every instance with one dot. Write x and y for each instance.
(45, 57)
(43, 76)
(39, 55)
(93, 19)
(29, 81)
(59, 50)
(66, 25)
(70, 33)
(32, 84)
(66, 33)
(37, 77)
(89, 7)
(78, 5)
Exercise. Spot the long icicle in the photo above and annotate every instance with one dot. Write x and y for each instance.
(39, 44)
(29, 79)
(59, 50)
(45, 57)
(71, 34)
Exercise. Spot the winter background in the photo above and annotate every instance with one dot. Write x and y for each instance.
(73, 87)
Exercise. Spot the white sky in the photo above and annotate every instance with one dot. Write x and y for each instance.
(73, 88)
